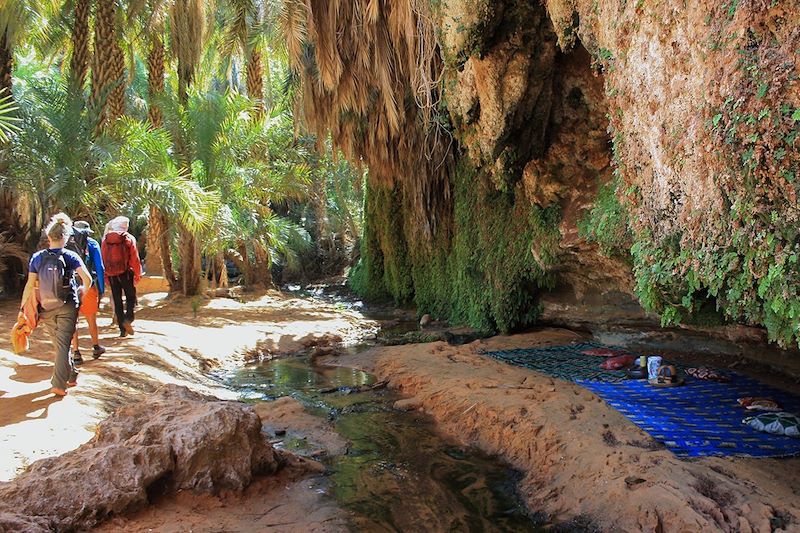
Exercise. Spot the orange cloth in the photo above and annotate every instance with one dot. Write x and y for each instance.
(31, 310)
(90, 303)
(19, 336)
(25, 324)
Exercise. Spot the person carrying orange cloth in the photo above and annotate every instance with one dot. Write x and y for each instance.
(50, 278)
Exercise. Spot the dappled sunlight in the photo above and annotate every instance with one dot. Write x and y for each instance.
(153, 299)
(171, 345)
(40, 425)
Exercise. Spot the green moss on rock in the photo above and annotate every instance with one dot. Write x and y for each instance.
(489, 273)
(607, 222)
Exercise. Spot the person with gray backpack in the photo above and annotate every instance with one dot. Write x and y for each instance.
(88, 249)
(51, 276)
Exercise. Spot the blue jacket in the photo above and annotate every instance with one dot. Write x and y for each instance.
(97, 264)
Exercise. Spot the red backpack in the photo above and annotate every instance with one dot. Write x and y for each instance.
(115, 253)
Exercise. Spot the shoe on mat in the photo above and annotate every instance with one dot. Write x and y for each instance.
(97, 351)
(77, 359)
(58, 392)
(128, 327)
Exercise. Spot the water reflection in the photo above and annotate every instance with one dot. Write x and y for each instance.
(398, 474)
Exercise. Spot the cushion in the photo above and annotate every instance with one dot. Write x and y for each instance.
(775, 423)
(758, 403)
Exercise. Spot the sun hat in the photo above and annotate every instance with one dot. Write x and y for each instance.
(82, 225)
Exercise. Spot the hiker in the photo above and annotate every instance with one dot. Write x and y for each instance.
(123, 269)
(106, 231)
(89, 249)
(52, 272)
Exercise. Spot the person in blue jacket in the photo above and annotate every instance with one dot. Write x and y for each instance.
(90, 304)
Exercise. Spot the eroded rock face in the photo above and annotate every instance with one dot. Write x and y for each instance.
(173, 440)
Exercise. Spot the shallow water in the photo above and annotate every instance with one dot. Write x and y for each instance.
(398, 473)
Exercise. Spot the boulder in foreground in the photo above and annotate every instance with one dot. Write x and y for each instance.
(172, 440)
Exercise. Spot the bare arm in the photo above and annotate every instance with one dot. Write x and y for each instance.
(85, 277)
(30, 286)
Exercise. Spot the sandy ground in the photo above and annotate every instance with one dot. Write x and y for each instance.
(290, 501)
(580, 458)
(171, 345)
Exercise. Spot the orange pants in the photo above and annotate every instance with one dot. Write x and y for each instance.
(90, 303)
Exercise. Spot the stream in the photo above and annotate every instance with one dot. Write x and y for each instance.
(398, 473)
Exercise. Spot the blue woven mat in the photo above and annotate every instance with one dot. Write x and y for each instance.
(697, 419)
(564, 362)
(701, 417)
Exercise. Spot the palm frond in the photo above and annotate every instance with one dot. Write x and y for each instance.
(8, 119)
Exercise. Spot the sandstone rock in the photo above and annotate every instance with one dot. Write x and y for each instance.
(408, 404)
(425, 320)
(173, 440)
(319, 351)
(329, 339)
(23, 524)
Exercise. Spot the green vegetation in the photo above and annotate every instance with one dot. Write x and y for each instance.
(487, 275)
(178, 117)
(607, 222)
(742, 262)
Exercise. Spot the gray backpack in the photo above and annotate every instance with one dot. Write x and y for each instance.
(54, 284)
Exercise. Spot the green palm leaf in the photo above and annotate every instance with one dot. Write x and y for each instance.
(8, 118)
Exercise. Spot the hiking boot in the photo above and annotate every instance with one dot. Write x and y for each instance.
(76, 357)
(128, 327)
(122, 333)
(97, 351)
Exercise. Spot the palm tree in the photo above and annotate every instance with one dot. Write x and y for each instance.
(108, 67)
(142, 169)
(21, 20)
(219, 138)
(149, 16)
(52, 156)
(14, 18)
(6, 61)
(243, 27)
(79, 60)
(188, 35)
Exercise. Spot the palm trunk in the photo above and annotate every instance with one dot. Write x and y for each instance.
(342, 202)
(223, 272)
(155, 76)
(190, 262)
(255, 81)
(245, 266)
(263, 265)
(108, 71)
(159, 242)
(319, 202)
(79, 62)
(6, 64)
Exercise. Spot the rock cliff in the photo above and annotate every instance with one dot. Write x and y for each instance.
(645, 149)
